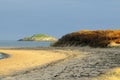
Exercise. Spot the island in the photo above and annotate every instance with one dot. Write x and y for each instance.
(39, 37)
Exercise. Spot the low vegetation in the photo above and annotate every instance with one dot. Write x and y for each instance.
(39, 37)
(96, 38)
(113, 74)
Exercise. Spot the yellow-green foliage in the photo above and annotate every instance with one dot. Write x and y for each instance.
(113, 74)
(96, 38)
(39, 37)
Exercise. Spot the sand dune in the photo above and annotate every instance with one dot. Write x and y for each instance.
(93, 38)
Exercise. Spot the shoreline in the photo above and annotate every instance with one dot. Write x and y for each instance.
(51, 56)
(4, 55)
(81, 63)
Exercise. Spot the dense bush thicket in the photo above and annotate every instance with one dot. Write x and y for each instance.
(96, 38)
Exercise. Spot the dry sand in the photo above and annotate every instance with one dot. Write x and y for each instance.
(26, 59)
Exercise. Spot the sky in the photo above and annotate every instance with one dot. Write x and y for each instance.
(20, 18)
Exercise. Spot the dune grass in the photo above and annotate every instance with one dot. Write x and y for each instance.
(96, 38)
(113, 74)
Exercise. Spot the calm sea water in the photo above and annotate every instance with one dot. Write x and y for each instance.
(1, 56)
(12, 44)
(18, 44)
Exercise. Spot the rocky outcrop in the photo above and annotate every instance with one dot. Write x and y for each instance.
(39, 37)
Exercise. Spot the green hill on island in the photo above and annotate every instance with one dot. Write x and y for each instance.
(38, 37)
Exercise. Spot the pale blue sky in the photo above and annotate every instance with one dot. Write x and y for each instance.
(20, 18)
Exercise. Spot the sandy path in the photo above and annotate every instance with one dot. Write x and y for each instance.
(92, 64)
(26, 59)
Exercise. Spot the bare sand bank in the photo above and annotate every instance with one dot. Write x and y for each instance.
(26, 59)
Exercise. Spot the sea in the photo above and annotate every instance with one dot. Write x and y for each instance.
(19, 44)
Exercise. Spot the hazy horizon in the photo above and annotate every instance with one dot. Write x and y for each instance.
(20, 18)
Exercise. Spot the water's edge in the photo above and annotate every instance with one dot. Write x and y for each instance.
(3, 55)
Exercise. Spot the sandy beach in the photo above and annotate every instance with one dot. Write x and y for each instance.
(64, 64)
(21, 60)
